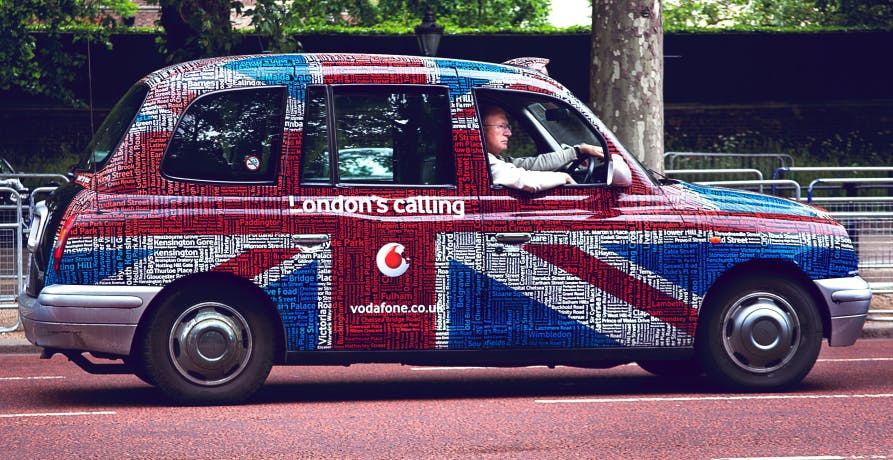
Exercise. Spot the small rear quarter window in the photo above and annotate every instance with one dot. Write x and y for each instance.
(228, 137)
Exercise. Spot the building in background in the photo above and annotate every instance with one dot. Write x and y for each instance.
(147, 15)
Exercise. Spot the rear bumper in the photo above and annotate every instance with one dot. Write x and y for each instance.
(99, 319)
(847, 300)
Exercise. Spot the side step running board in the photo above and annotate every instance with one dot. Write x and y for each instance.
(87, 365)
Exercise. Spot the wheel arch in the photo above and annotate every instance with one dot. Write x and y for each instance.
(779, 268)
(216, 281)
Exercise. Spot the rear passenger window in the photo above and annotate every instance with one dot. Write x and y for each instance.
(231, 136)
(382, 135)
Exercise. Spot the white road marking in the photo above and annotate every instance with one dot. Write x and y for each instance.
(465, 368)
(710, 398)
(852, 360)
(42, 377)
(462, 368)
(457, 368)
(58, 414)
(819, 457)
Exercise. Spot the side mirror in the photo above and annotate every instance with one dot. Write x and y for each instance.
(619, 174)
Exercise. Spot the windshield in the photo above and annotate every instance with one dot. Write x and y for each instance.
(564, 126)
(113, 128)
(607, 132)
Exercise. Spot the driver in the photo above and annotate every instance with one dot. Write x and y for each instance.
(531, 174)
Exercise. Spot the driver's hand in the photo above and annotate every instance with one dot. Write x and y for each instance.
(591, 150)
(568, 179)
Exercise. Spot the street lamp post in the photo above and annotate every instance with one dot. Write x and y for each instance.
(428, 33)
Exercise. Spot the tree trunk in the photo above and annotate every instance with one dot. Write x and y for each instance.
(196, 28)
(626, 84)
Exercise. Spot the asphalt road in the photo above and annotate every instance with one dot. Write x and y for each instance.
(844, 409)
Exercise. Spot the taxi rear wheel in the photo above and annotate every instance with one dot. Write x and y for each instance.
(208, 347)
(759, 333)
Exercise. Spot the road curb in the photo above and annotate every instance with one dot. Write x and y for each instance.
(877, 330)
(872, 330)
(18, 346)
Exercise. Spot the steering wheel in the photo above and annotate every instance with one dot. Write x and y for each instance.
(590, 168)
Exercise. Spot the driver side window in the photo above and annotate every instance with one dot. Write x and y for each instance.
(538, 133)
(521, 143)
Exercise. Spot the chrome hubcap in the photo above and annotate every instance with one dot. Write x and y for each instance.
(210, 344)
(761, 332)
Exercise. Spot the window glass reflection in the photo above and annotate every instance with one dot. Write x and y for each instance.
(233, 136)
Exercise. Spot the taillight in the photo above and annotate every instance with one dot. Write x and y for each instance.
(38, 226)
(63, 238)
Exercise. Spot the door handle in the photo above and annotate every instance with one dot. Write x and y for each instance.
(310, 240)
(512, 238)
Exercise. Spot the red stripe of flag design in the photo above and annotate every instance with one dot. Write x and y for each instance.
(255, 261)
(619, 284)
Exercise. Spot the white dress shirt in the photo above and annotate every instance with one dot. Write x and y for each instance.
(531, 174)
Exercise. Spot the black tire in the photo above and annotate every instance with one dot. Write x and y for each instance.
(138, 369)
(759, 333)
(208, 347)
(673, 368)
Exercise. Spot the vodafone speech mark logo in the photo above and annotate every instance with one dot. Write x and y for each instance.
(390, 260)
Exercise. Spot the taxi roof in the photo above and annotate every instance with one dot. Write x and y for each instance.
(314, 68)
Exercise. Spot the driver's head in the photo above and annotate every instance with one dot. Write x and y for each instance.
(496, 129)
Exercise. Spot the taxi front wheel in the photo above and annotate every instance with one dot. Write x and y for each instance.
(759, 333)
(204, 348)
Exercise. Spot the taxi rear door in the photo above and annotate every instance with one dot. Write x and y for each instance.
(389, 191)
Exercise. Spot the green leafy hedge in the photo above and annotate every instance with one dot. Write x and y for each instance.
(404, 30)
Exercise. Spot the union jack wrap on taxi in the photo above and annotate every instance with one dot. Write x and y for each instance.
(284, 209)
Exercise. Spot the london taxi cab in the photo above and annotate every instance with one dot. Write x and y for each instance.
(235, 213)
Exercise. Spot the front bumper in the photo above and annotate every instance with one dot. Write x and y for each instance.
(100, 319)
(847, 300)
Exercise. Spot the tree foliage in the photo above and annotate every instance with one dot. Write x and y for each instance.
(202, 28)
(303, 13)
(269, 19)
(789, 14)
(471, 14)
(408, 13)
(196, 28)
(44, 67)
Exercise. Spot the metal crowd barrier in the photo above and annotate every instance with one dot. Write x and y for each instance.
(39, 194)
(765, 162)
(829, 169)
(11, 267)
(881, 314)
(15, 217)
(43, 177)
(755, 172)
(866, 211)
(847, 180)
(834, 179)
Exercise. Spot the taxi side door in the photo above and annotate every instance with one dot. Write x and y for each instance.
(569, 267)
